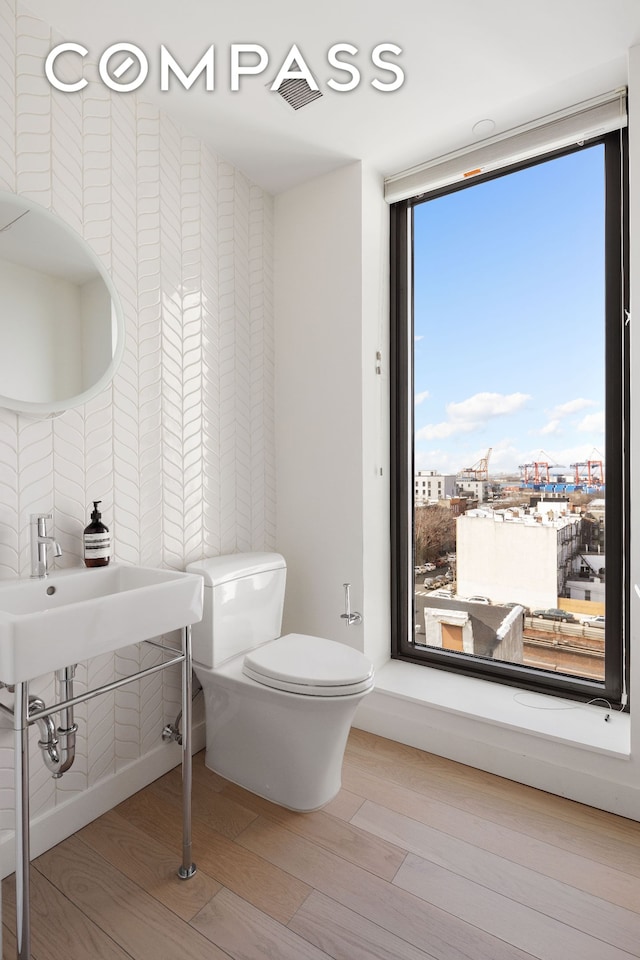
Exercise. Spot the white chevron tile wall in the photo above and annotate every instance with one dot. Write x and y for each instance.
(180, 447)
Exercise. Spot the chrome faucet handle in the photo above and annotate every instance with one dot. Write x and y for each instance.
(40, 540)
(40, 520)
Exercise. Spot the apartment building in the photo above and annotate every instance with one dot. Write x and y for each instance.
(474, 488)
(430, 485)
(516, 556)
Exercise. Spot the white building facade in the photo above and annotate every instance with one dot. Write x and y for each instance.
(513, 557)
(587, 580)
(429, 485)
(476, 488)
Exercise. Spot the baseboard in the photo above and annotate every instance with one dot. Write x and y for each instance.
(590, 778)
(55, 825)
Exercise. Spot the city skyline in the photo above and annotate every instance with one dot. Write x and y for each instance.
(509, 320)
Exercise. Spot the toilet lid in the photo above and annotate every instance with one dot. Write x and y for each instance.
(313, 666)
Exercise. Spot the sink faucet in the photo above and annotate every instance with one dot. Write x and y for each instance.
(40, 542)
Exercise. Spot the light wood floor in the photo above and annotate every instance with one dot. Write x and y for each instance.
(416, 858)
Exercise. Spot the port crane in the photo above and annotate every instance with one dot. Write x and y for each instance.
(479, 470)
(590, 470)
(537, 471)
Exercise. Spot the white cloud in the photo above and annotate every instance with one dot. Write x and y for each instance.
(563, 410)
(592, 423)
(419, 397)
(439, 431)
(571, 406)
(473, 413)
(504, 457)
(551, 427)
(483, 406)
(435, 459)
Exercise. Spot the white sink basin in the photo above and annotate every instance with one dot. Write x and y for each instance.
(76, 614)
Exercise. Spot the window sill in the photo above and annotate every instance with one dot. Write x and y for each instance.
(538, 715)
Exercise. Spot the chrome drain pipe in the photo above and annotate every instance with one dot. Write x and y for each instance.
(67, 728)
(58, 745)
(48, 741)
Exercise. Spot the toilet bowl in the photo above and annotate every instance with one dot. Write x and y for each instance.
(278, 709)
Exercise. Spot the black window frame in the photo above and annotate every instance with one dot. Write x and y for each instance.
(614, 689)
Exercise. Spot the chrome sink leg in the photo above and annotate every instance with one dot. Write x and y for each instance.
(21, 742)
(188, 867)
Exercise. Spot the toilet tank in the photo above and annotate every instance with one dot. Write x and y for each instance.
(243, 603)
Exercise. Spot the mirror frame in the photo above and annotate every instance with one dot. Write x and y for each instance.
(44, 409)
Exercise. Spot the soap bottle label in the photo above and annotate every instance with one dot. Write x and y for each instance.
(97, 546)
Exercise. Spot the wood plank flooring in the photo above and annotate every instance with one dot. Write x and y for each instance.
(418, 858)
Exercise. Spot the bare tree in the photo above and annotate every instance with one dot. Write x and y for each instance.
(435, 532)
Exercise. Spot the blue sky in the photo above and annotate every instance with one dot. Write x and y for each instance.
(509, 319)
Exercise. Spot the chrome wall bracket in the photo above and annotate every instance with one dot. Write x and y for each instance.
(349, 617)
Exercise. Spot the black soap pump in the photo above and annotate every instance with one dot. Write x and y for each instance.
(96, 539)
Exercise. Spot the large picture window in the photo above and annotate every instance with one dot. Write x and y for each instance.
(509, 417)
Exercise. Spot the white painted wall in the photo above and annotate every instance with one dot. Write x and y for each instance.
(331, 307)
(375, 419)
(318, 407)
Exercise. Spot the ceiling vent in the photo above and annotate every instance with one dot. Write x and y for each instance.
(297, 93)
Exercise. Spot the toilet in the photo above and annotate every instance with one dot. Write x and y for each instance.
(278, 709)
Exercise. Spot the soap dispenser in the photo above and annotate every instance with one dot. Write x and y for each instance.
(96, 539)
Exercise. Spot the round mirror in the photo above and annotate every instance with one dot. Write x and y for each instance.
(61, 323)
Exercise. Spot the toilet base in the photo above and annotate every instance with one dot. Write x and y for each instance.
(286, 748)
(256, 785)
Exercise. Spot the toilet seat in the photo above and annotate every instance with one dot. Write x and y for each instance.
(312, 666)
